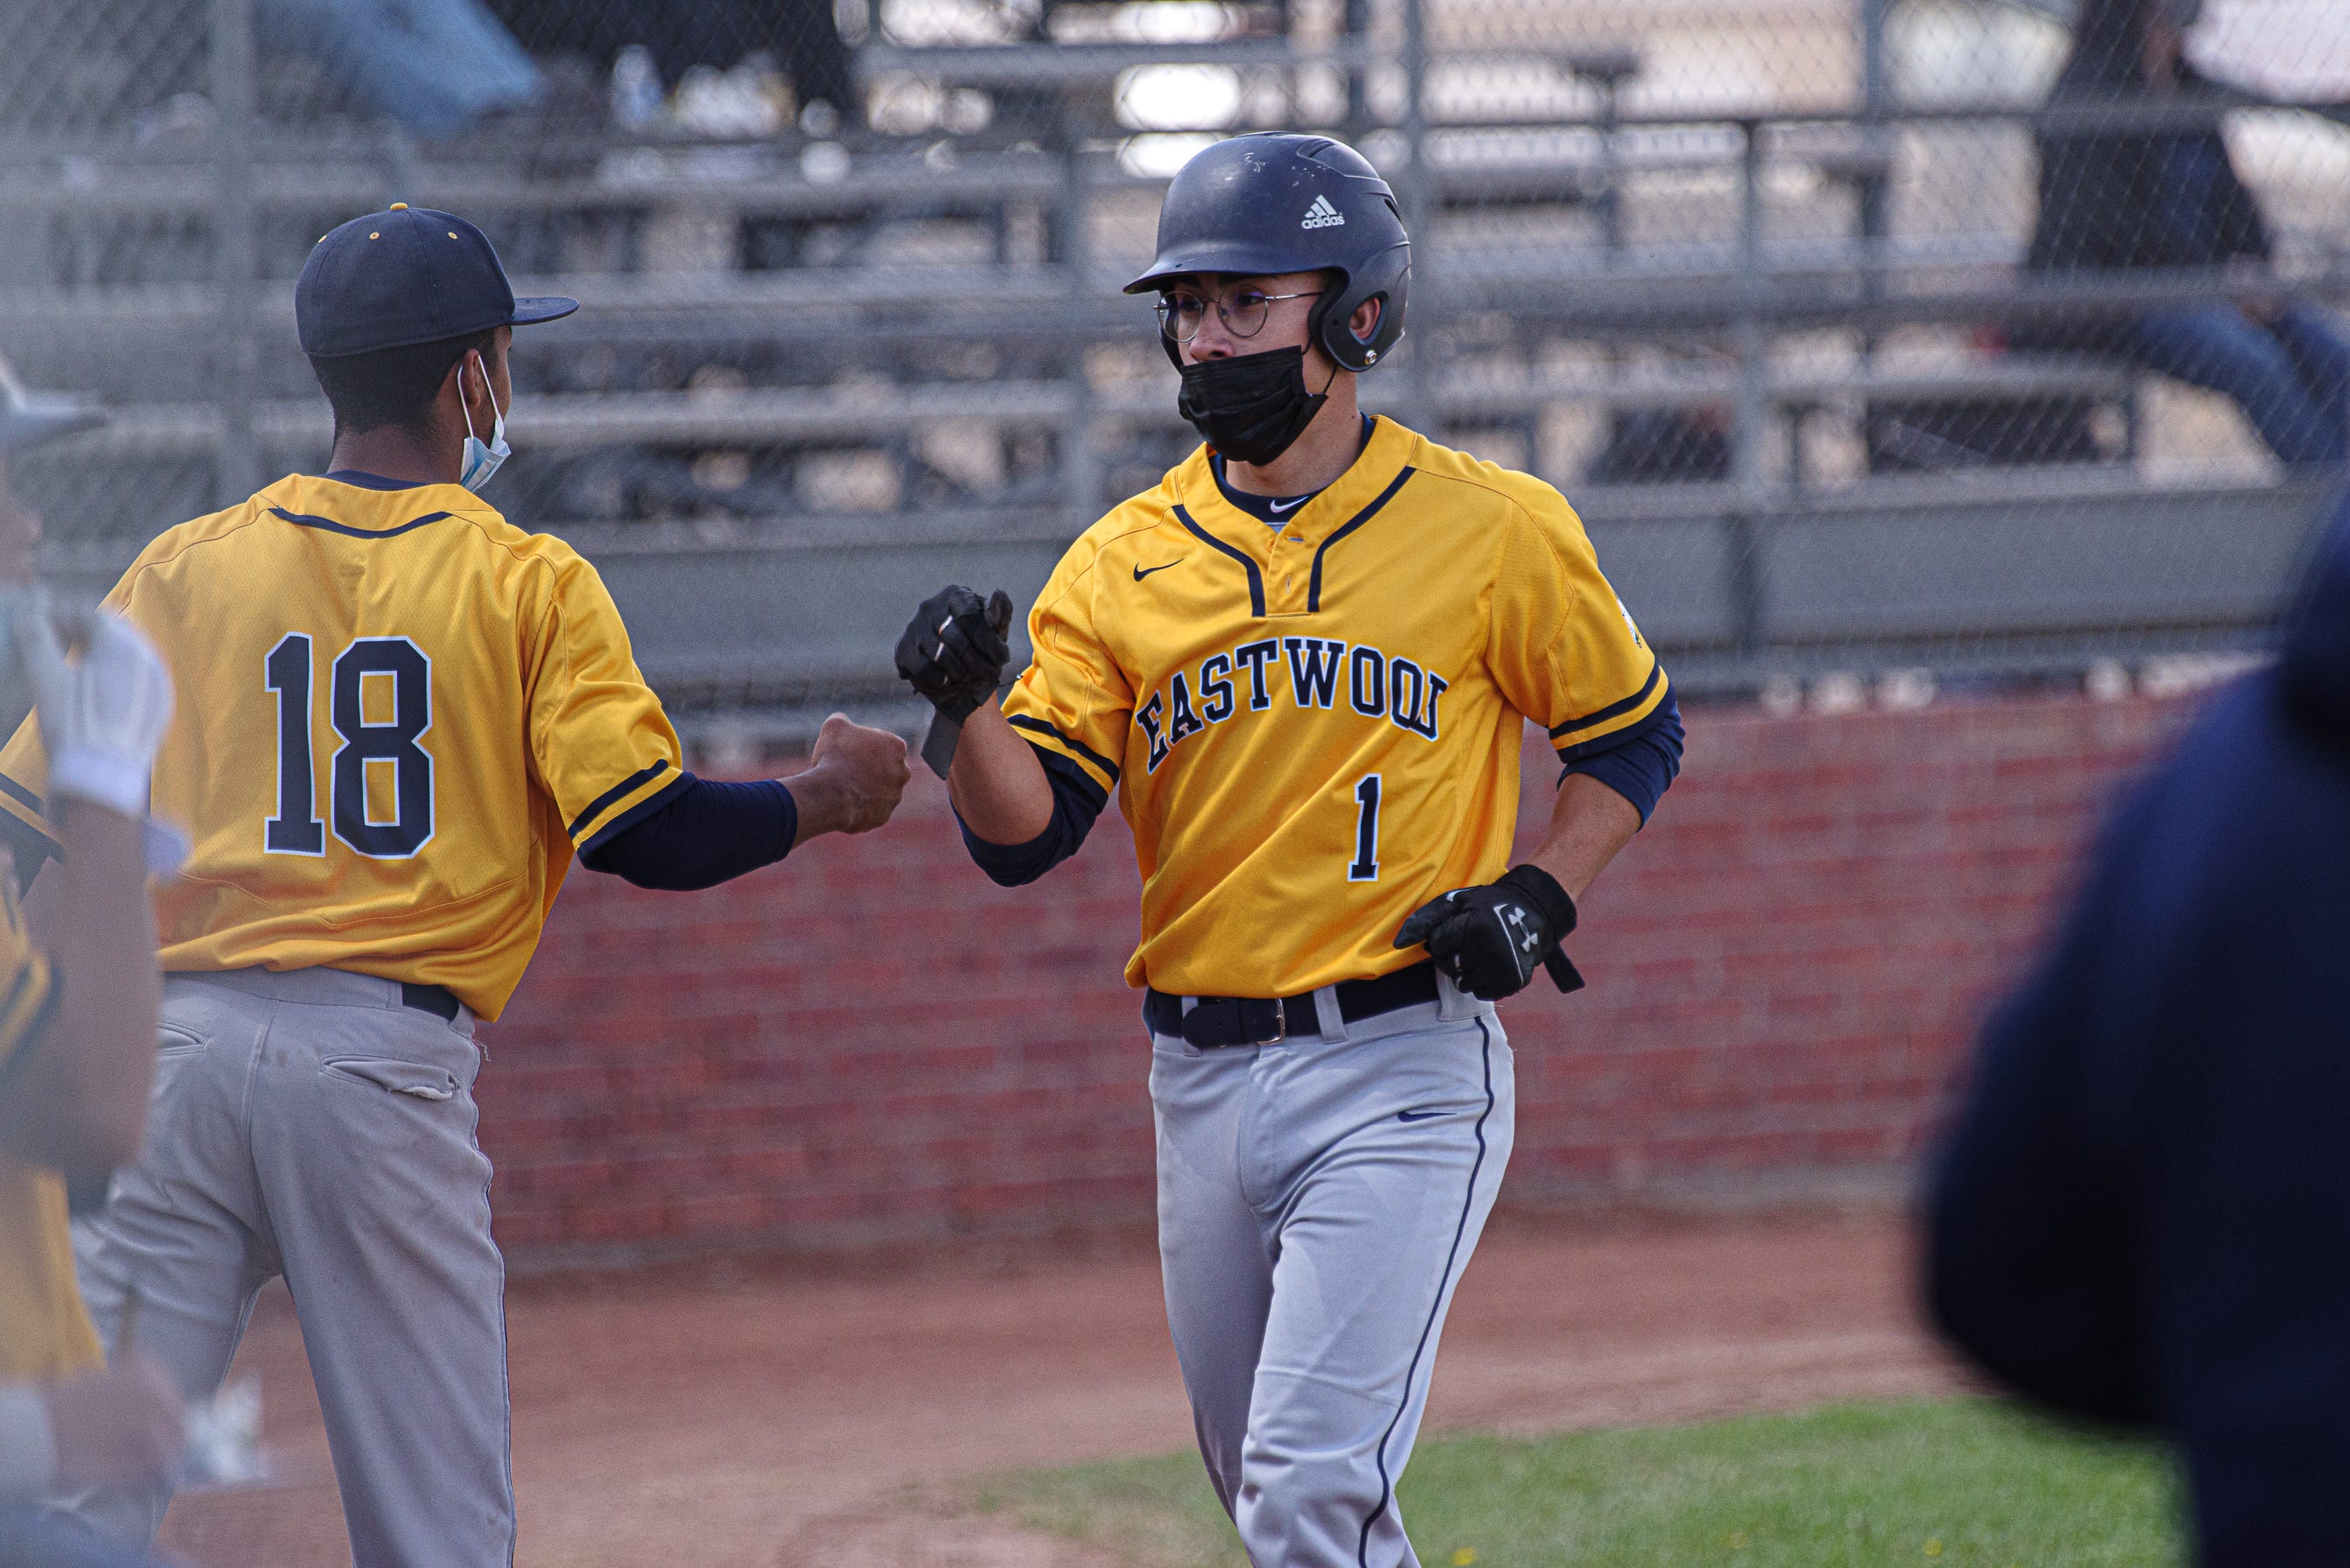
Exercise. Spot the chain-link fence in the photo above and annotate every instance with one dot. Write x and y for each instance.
(1973, 338)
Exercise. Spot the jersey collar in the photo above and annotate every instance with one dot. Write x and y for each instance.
(366, 481)
(1372, 475)
(365, 508)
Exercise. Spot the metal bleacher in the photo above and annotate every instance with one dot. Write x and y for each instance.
(815, 375)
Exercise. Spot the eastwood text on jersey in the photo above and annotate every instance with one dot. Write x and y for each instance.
(1374, 685)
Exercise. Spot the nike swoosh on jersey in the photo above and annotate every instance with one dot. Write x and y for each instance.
(1142, 572)
(1277, 507)
(1416, 1116)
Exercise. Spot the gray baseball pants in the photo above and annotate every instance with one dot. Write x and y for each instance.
(1317, 1200)
(308, 1124)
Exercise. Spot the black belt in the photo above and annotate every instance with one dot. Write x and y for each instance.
(436, 999)
(1221, 1021)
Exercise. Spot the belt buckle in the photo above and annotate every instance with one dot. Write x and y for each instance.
(1238, 1006)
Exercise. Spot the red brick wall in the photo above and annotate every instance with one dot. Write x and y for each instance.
(872, 1041)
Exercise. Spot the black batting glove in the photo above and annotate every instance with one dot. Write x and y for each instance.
(954, 649)
(1490, 940)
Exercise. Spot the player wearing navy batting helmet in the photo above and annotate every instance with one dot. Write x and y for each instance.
(399, 720)
(1303, 661)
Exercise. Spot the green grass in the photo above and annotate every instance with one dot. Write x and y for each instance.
(1936, 1483)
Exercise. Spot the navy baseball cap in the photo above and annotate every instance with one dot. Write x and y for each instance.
(407, 276)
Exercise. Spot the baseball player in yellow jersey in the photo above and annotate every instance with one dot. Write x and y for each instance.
(399, 717)
(1304, 661)
(76, 1050)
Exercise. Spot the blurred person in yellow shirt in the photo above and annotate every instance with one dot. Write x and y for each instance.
(78, 1032)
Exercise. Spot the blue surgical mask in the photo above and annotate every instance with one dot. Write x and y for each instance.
(482, 462)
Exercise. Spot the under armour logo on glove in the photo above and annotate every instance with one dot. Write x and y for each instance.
(1491, 939)
(1522, 927)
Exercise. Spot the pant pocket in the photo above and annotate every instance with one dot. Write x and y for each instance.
(172, 1041)
(411, 1078)
(177, 1050)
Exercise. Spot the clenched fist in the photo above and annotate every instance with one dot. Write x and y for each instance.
(953, 650)
(853, 782)
(1491, 939)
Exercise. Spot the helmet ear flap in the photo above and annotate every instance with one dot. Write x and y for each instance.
(1333, 332)
(1327, 326)
(1333, 312)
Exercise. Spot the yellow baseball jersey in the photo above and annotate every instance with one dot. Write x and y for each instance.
(44, 1331)
(398, 716)
(1314, 728)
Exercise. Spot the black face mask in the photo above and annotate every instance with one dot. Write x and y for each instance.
(1250, 408)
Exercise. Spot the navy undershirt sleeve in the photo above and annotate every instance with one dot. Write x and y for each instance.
(1639, 763)
(1077, 800)
(29, 847)
(705, 833)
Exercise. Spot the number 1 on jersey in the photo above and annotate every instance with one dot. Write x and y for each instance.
(1365, 867)
(295, 829)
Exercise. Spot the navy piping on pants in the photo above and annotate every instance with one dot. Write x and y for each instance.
(1443, 1283)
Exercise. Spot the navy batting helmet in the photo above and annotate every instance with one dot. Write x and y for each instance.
(1274, 202)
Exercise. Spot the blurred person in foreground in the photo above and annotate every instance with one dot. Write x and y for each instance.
(2139, 1216)
(77, 1048)
(2169, 200)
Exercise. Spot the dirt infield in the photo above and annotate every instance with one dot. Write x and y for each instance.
(778, 1411)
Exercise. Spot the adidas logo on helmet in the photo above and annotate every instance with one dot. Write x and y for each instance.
(1323, 215)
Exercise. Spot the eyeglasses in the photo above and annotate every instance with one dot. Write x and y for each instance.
(1242, 311)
